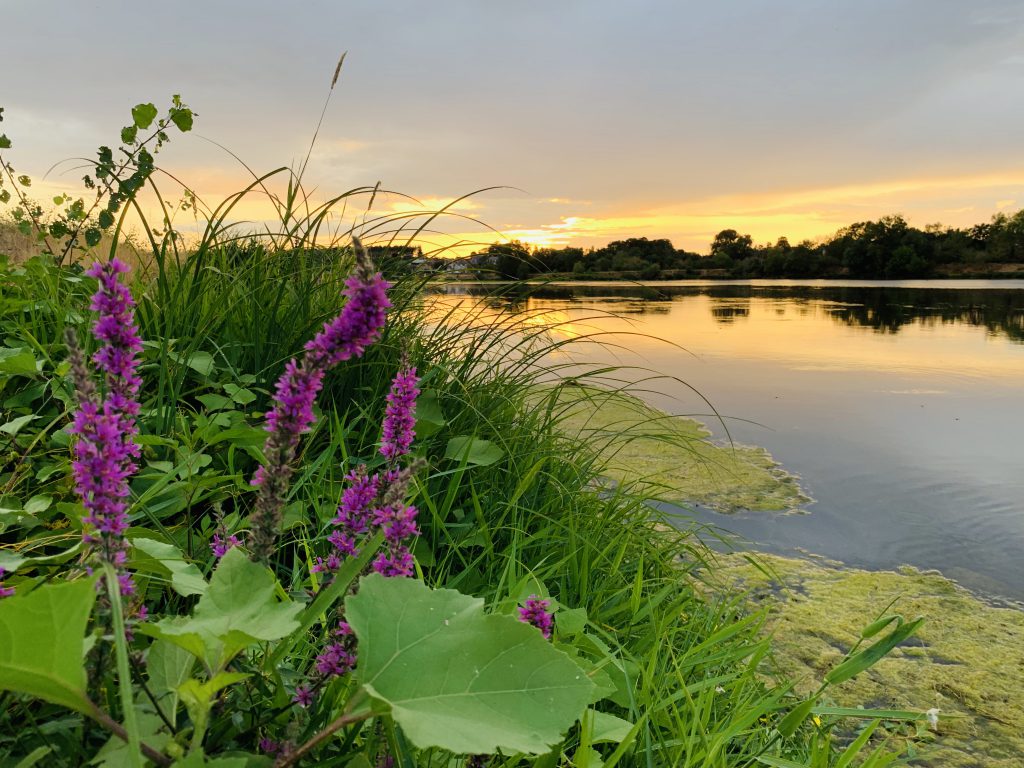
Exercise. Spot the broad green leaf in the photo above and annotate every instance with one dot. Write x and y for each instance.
(609, 728)
(214, 402)
(168, 667)
(14, 426)
(17, 362)
(458, 679)
(571, 621)
(201, 362)
(167, 559)
(868, 657)
(473, 451)
(429, 417)
(239, 608)
(42, 645)
(38, 503)
(182, 118)
(144, 115)
(240, 395)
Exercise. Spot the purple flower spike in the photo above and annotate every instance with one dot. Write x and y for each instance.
(535, 613)
(360, 322)
(221, 544)
(347, 336)
(400, 414)
(106, 452)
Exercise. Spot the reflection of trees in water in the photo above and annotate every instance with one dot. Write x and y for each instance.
(885, 309)
(728, 310)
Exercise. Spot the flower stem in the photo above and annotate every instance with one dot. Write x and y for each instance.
(124, 675)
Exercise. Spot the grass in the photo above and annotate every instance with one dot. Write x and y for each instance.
(534, 516)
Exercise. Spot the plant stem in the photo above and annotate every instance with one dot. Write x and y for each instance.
(347, 718)
(118, 730)
(124, 675)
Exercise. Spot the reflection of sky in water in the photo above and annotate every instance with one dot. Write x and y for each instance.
(904, 414)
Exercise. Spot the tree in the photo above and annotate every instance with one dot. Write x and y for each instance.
(732, 245)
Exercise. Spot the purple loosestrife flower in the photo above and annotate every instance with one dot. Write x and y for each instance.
(4, 591)
(535, 613)
(105, 453)
(345, 337)
(398, 522)
(400, 414)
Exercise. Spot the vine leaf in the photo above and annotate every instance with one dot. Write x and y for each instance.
(458, 679)
(42, 642)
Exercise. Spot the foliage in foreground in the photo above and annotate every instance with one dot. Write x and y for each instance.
(642, 670)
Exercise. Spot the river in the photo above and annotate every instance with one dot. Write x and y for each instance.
(900, 404)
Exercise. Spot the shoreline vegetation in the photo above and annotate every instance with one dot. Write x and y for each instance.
(227, 656)
(885, 249)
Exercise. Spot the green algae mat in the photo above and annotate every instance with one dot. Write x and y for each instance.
(670, 458)
(967, 660)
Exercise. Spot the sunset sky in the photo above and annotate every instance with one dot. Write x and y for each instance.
(601, 119)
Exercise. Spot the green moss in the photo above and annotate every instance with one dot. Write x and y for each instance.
(967, 660)
(671, 458)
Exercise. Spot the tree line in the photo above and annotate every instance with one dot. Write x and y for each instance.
(886, 248)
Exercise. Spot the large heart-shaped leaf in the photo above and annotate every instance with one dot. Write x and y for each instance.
(239, 608)
(458, 679)
(42, 642)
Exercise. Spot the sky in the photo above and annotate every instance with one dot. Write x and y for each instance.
(595, 120)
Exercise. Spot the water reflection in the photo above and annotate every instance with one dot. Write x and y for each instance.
(900, 405)
(997, 307)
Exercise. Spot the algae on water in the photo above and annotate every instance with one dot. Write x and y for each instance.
(967, 659)
(671, 458)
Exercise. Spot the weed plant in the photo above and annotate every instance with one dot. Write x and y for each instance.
(510, 506)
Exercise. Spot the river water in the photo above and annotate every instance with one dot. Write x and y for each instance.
(900, 404)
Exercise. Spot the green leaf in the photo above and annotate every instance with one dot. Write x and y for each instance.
(240, 608)
(38, 503)
(129, 134)
(14, 426)
(458, 679)
(17, 362)
(201, 362)
(182, 118)
(571, 621)
(106, 219)
(215, 402)
(196, 694)
(116, 753)
(5, 143)
(143, 115)
(25, 181)
(168, 666)
(41, 642)
(788, 725)
(167, 559)
(33, 757)
(240, 395)
(868, 657)
(92, 236)
(429, 417)
(473, 451)
(609, 728)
